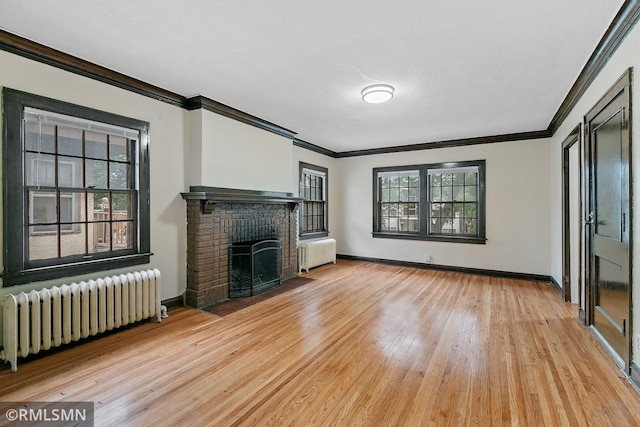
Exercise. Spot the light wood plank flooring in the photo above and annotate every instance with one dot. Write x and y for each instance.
(361, 344)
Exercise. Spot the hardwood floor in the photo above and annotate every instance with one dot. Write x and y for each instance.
(361, 344)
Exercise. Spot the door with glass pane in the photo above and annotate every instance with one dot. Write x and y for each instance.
(608, 219)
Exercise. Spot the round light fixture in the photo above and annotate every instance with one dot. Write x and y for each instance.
(376, 94)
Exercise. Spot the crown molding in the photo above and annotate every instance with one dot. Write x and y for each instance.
(201, 102)
(621, 25)
(509, 137)
(312, 147)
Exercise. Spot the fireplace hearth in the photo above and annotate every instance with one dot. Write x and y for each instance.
(220, 219)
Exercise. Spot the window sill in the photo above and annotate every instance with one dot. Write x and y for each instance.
(449, 239)
(314, 235)
(36, 274)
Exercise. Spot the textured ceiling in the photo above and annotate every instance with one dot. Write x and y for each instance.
(460, 69)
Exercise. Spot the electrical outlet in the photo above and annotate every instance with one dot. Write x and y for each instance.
(428, 258)
(638, 342)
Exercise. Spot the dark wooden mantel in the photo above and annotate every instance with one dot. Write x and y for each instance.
(210, 196)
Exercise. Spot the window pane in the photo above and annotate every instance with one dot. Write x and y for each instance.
(314, 188)
(458, 178)
(42, 245)
(413, 195)
(447, 225)
(470, 210)
(447, 194)
(384, 195)
(66, 210)
(471, 178)
(384, 182)
(73, 242)
(119, 176)
(69, 172)
(99, 207)
(435, 225)
(43, 209)
(446, 209)
(100, 237)
(95, 145)
(96, 171)
(393, 194)
(75, 202)
(119, 148)
(40, 169)
(69, 141)
(436, 194)
(408, 225)
(458, 193)
(471, 194)
(122, 205)
(470, 226)
(436, 179)
(122, 236)
(436, 210)
(39, 137)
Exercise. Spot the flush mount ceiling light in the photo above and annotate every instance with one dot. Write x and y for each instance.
(376, 94)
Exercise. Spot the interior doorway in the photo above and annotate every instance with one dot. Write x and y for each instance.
(572, 287)
(608, 220)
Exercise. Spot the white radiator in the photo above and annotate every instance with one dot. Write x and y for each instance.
(316, 252)
(49, 317)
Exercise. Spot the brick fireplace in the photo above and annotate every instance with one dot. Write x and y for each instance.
(220, 217)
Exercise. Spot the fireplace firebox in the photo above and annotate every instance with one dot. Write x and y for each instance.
(255, 267)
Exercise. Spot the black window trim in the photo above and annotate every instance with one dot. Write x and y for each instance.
(14, 247)
(423, 202)
(315, 234)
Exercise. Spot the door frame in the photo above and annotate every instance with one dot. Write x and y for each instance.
(572, 139)
(622, 88)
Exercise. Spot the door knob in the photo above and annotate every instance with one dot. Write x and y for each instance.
(590, 220)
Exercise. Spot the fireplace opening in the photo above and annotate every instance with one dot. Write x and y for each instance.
(254, 267)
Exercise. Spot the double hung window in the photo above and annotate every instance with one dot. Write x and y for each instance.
(313, 210)
(76, 189)
(444, 201)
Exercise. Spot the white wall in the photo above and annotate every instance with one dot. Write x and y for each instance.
(517, 225)
(625, 56)
(236, 155)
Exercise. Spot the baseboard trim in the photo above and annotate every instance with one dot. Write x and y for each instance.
(174, 302)
(556, 286)
(455, 269)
